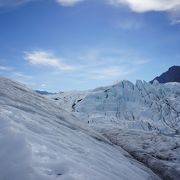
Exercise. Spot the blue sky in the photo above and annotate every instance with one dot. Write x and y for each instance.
(81, 44)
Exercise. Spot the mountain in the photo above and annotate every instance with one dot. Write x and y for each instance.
(43, 92)
(172, 75)
(41, 141)
(142, 118)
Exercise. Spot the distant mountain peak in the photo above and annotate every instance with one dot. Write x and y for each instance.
(43, 92)
(172, 75)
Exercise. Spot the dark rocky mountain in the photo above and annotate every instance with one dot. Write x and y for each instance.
(172, 75)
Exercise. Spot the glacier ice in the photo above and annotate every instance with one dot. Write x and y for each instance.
(142, 118)
(41, 141)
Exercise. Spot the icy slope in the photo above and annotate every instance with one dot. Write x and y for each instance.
(143, 106)
(68, 100)
(142, 118)
(159, 152)
(40, 141)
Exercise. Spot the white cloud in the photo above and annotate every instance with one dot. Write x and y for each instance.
(172, 7)
(175, 16)
(69, 2)
(139, 6)
(147, 5)
(47, 59)
(135, 5)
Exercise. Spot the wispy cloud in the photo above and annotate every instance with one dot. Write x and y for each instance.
(13, 73)
(45, 58)
(6, 3)
(6, 68)
(99, 56)
(141, 61)
(95, 63)
(111, 63)
(128, 24)
(21, 75)
(9, 3)
(112, 72)
(69, 2)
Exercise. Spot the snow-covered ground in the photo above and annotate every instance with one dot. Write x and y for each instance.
(142, 118)
(41, 141)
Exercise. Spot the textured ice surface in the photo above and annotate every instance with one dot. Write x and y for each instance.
(143, 106)
(160, 152)
(40, 141)
(142, 118)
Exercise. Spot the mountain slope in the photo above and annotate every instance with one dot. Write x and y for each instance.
(172, 75)
(40, 141)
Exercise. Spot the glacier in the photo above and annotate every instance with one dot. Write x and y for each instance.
(141, 118)
(141, 106)
(40, 140)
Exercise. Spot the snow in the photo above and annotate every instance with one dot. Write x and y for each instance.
(41, 141)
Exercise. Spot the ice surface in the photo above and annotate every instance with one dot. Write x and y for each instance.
(142, 118)
(143, 106)
(160, 152)
(41, 141)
